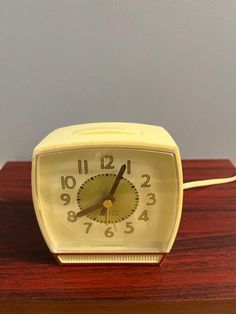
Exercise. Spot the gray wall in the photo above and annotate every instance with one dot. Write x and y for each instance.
(165, 62)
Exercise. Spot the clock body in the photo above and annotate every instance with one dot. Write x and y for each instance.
(90, 212)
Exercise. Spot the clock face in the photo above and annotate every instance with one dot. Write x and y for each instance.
(107, 200)
(114, 208)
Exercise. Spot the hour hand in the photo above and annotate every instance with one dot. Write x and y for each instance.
(90, 209)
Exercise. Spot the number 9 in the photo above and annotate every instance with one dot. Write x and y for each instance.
(65, 198)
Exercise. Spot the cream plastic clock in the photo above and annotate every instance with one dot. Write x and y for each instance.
(108, 192)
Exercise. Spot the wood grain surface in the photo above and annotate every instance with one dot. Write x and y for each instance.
(200, 271)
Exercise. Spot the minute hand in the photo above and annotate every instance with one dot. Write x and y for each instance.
(114, 187)
(117, 181)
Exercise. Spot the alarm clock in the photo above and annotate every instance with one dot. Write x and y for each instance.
(108, 192)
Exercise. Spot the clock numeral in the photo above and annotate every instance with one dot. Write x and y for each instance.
(68, 182)
(152, 198)
(106, 162)
(128, 168)
(71, 216)
(144, 216)
(129, 227)
(89, 225)
(65, 198)
(109, 233)
(83, 166)
(146, 184)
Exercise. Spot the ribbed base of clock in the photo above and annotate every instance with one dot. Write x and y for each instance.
(110, 258)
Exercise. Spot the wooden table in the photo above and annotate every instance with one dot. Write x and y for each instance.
(199, 276)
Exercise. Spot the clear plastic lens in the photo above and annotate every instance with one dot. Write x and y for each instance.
(141, 216)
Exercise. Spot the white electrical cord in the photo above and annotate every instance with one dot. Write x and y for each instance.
(197, 184)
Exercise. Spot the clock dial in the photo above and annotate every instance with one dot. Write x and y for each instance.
(95, 190)
(107, 199)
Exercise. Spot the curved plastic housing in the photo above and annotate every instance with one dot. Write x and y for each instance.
(149, 233)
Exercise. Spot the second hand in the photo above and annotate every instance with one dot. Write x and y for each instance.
(108, 205)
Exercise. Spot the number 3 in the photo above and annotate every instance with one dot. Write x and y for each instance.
(152, 198)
